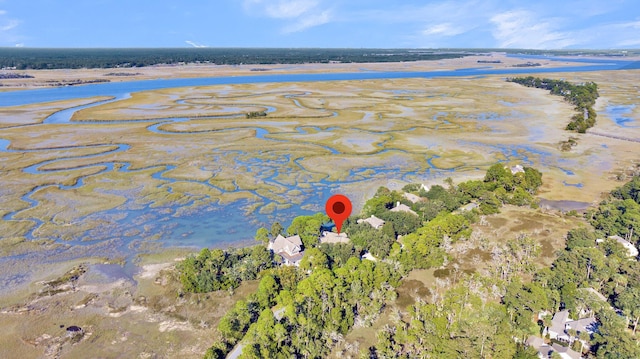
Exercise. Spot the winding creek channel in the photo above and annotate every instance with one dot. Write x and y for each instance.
(228, 224)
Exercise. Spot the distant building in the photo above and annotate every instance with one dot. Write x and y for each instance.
(373, 221)
(412, 197)
(369, 256)
(633, 251)
(289, 248)
(469, 207)
(516, 169)
(333, 237)
(401, 207)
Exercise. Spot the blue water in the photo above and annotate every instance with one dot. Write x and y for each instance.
(13, 98)
(620, 115)
(129, 225)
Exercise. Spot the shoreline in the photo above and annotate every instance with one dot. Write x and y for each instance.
(60, 77)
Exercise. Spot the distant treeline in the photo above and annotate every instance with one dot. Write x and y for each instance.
(582, 96)
(39, 58)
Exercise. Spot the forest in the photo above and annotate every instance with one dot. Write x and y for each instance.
(41, 58)
(582, 96)
(307, 311)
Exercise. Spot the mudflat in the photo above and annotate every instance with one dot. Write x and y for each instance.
(124, 178)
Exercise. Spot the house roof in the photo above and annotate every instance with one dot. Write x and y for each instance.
(295, 258)
(374, 221)
(535, 342)
(411, 197)
(558, 321)
(291, 245)
(583, 325)
(469, 207)
(332, 237)
(517, 169)
(401, 207)
(565, 352)
(369, 256)
(633, 251)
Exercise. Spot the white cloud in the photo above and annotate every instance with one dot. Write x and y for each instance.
(194, 44)
(290, 9)
(522, 29)
(8, 28)
(10, 24)
(298, 15)
(308, 21)
(444, 29)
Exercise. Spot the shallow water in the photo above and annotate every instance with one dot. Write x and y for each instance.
(127, 228)
(620, 114)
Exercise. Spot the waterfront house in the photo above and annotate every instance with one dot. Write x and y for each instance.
(373, 221)
(333, 237)
(289, 248)
(412, 197)
(401, 207)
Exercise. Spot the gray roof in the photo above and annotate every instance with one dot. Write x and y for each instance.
(294, 259)
(469, 207)
(290, 245)
(401, 207)
(566, 351)
(631, 248)
(374, 221)
(558, 321)
(332, 237)
(535, 342)
(588, 325)
(412, 197)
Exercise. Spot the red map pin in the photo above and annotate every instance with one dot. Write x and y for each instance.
(338, 208)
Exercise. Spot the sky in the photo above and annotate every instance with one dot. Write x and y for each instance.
(534, 24)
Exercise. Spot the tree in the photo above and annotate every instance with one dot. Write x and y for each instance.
(314, 260)
(267, 290)
(262, 235)
(276, 229)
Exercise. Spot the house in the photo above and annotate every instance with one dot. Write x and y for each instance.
(401, 207)
(561, 324)
(516, 169)
(369, 256)
(469, 207)
(565, 352)
(289, 248)
(584, 325)
(633, 251)
(545, 350)
(333, 237)
(412, 197)
(556, 330)
(373, 221)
